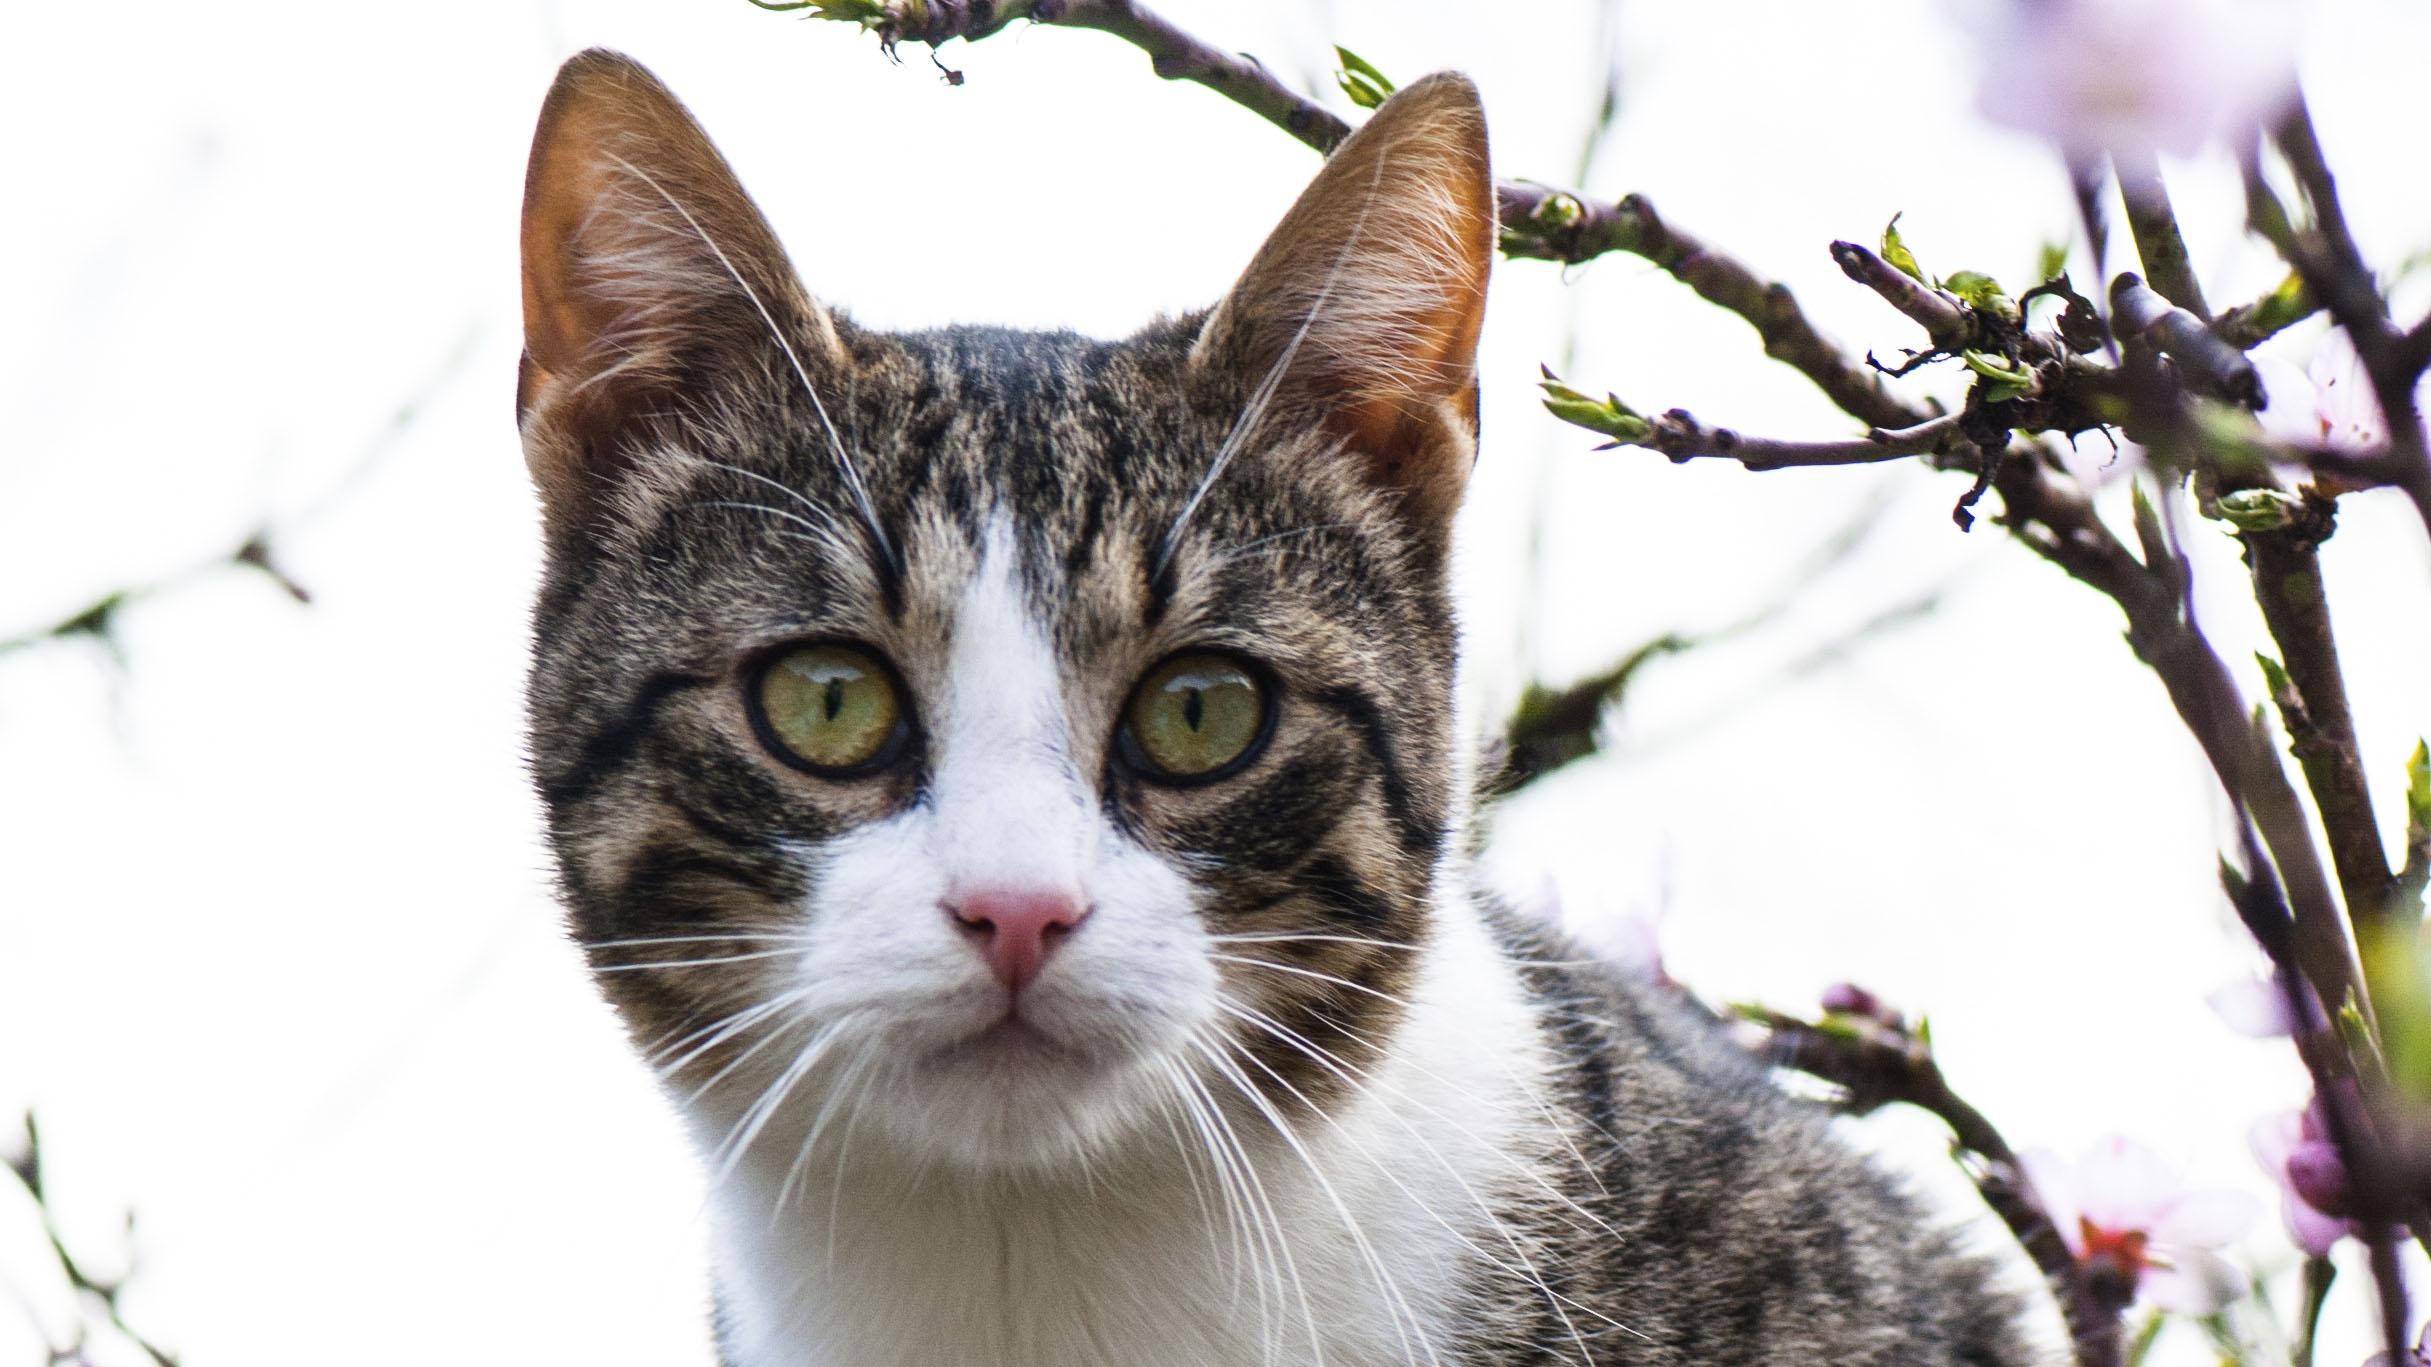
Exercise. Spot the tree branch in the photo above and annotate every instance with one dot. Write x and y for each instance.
(1789, 337)
(2154, 225)
(2217, 367)
(2334, 271)
(2310, 690)
(28, 1169)
(1947, 323)
(1680, 436)
(1877, 1061)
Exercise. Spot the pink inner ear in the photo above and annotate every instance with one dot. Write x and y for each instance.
(643, 262)
(1370, 295)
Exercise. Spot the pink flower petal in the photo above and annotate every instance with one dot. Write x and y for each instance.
(2123, 1185)
(2055, 1183)
(2198, 1283)
(2311, 1230)
(2273, 1138)
(2256, 1008)
(2206, 1218)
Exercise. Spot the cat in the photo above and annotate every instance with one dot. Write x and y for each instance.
(1008, 785)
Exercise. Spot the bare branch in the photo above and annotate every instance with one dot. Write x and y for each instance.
(2310, 690)
(1946, 322)
(2154, 225)
(1680, 436)
(2217, 367)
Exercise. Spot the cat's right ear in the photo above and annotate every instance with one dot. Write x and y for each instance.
(647, 275)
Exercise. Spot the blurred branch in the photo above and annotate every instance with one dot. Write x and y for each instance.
(1874, 1059)
(2249, 325)
(2154, 225)
(99, 619)
(27, 1166)
(1552, 727)
(2324, 255)
(256, 552)
(2310, 690)
(2219, 369)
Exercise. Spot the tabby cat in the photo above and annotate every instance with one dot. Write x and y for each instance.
(1007, 782)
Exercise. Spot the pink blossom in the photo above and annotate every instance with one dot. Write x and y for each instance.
(2330, 402)
(2255, 1007)
(2136, 75)
(2294, 1148)
(2126, 1214)
(1630, 940)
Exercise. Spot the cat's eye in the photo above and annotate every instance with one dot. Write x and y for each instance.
(832, 709)
(1196, 718)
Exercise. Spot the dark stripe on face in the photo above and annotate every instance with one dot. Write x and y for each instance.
(1344, 898)
(614, 745)
(1420, 837)
(1274, 824)
(684, 882)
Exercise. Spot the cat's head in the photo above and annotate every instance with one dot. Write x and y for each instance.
(1003, 737)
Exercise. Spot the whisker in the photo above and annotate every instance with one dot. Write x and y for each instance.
(695, 963)
(1362, 1080)
(835, 443)
(1253, 412)
(749, 936)
(1312, 973)
(1404, 1319)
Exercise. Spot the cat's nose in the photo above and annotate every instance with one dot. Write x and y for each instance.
(1015, 929)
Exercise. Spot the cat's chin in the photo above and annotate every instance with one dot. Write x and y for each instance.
(1017, 1095)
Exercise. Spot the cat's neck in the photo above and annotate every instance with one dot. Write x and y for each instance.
(880, 1260)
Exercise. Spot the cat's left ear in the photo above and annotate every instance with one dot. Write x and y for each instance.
(649, 279)
(1364, 305)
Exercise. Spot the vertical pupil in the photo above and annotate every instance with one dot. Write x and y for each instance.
(833, 700)
(1194, 707)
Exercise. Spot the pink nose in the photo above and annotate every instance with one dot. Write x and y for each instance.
(1015, 929)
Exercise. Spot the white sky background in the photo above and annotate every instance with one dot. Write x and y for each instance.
(277, 959)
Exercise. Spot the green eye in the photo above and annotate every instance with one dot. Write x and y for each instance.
(1195, 718)
(830, 709)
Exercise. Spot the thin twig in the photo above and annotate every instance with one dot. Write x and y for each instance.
(1947, 323)
(1678, 435)
(256, 551)
(27, 1166)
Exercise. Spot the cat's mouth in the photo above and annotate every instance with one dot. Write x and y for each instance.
(1013, 1041)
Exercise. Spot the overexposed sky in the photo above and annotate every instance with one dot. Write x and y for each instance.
(277, 959)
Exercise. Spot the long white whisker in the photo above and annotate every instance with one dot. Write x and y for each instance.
(749, 937)
(1365, 1080)
(756, 1117)
(1297, 970)
(1241, 1218)
(696, 963)
(1405, 1321)
(1278, 1246)
(844, 460)
(1253, 412)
